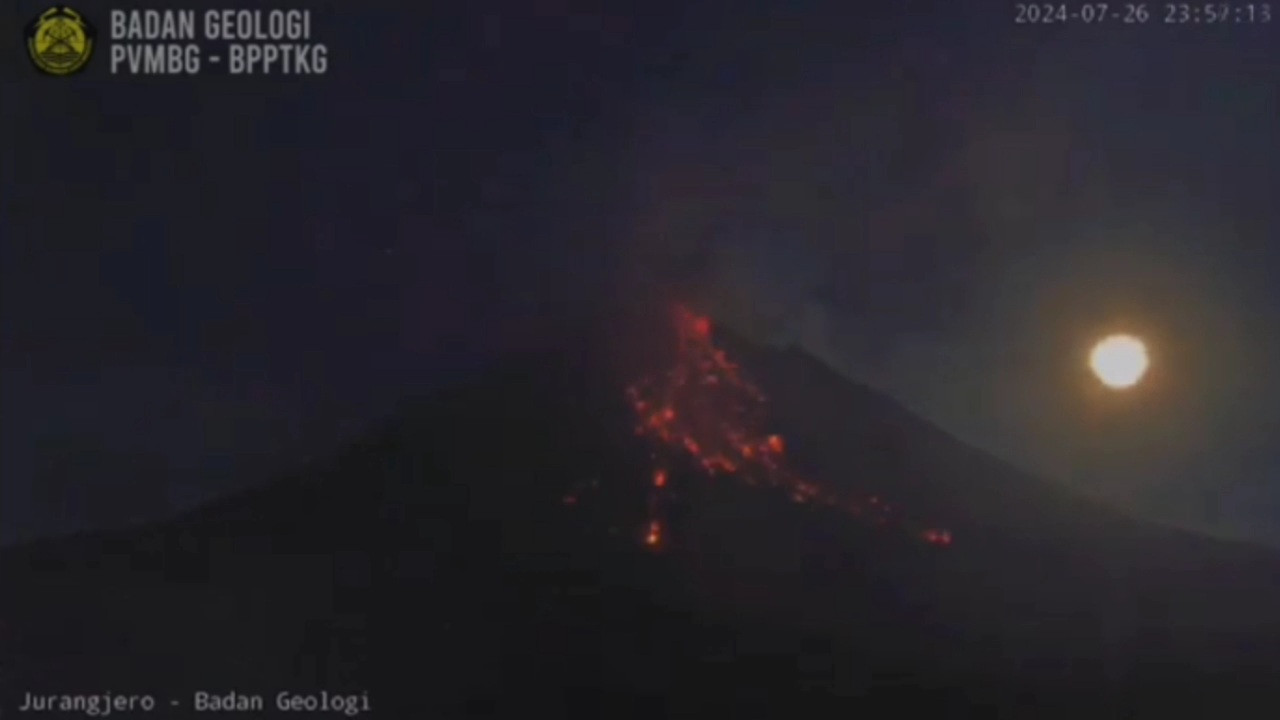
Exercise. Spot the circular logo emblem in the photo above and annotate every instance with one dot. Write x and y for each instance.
(60, 41)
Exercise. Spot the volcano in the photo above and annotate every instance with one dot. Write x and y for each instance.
(658, 518)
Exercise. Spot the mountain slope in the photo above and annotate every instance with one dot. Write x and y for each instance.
(484, 553)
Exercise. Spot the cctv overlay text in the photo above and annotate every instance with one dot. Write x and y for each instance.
(232, 42)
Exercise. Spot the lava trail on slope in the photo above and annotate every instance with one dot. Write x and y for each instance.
(704, 410)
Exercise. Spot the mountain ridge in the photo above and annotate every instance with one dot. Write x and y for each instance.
(449, 528)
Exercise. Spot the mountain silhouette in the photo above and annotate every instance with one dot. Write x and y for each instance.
(749, 532)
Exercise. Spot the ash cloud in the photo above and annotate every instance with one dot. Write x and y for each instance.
(959, 244)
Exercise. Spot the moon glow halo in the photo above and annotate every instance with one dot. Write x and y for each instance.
(1119, 361)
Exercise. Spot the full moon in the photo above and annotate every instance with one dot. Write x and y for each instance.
(1119, 361)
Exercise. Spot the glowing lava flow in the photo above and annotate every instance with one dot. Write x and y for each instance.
(705, 410)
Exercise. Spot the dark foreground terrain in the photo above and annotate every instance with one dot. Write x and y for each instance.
(438, 566)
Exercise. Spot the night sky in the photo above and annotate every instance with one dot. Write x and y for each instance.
(207, 280)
